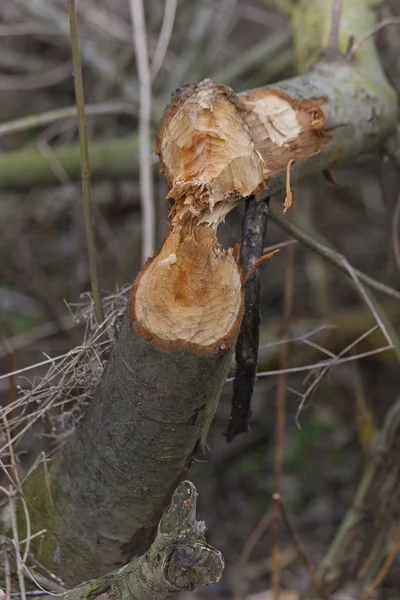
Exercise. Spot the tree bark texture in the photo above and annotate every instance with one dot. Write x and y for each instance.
(150, 415)
(110, 483)
(179, 559)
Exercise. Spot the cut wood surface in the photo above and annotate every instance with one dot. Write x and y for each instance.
(190, 294)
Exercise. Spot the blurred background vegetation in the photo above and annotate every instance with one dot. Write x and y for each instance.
(44, 266)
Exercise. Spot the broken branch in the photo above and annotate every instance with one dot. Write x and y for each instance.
(253, 232)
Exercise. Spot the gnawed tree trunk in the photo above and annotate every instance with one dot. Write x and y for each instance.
(157, 397)
(151, 412)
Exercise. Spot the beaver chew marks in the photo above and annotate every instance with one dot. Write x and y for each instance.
(208, 155)
(215, 149)
(190, 293)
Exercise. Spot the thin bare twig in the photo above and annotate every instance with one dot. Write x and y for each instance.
(22, 340)
(334, 362)
(71, 377)
(105, 21)
(299, 548)
(86, 189)
(164, 37)
(13, 511)
(94, 53)
(69, 112)
(7, 570)
(368, 301)
(383, 571)
(22, 29)
(331, 256)
(251, 543)
(281, 415)
(325, 363)
(254, 538)
(336, 13)
(16, 482)
(279, 245)
(41, 363)
(35, 81)
(146, 172)
(370, 33)
(21, 566)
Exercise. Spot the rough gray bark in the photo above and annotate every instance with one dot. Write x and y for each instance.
(178, 560)
(358, 111)
(138, 438)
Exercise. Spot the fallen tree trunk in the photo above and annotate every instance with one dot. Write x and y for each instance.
(150, 415)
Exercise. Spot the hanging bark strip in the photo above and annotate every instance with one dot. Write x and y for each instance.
(253, 232)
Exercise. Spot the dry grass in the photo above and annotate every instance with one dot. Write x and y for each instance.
(59, 396)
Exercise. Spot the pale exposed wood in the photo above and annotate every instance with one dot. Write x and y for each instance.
(190, 293)
(208, 154)
(284, 128)
(217, 147)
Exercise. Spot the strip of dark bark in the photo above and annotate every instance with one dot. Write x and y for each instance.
(253, 232)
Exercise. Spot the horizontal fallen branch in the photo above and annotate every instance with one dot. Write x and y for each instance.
(112, 159)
